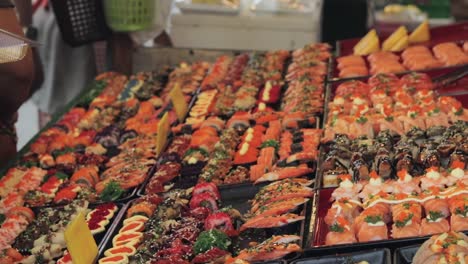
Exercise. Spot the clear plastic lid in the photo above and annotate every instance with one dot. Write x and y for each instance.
(13, 47)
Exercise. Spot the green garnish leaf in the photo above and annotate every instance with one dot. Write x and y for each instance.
(95, 89)
(112, 192)
(434, 215)
(403, 222)
(29, 164)
(61, 175)
(194, 150)
(336, 228)
(373, 219)
(2, 218)
(462, 211)
(66, 150)
(361, 120)
(211, 239)
(270, 143)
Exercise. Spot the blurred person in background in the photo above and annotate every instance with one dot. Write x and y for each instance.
(67, 70)
(17, 79)
(345, 19)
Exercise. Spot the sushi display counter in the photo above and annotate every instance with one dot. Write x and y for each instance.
(392, 163)
(272, 162)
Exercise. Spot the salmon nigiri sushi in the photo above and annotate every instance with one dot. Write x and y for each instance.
(434, 223)
(412, 207)
(342, 208)
(370, 226)
(458, 223)
(340, 232)
(372, 229)
(437, 205)
(409, 230)
(404, 226)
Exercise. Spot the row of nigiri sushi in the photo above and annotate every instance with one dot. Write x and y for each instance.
(400, 202)
(373, 224)
(36, 186)
(275, 204)
(388, 102)
(443, 184)
(414, 58)
(237, 81)
(305, 77)
(264, 72)
(259, 147)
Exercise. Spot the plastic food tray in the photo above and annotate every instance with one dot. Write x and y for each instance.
(457, 90)
(100, 238)
(452, 33)
(319, 230)
(174, 55)
(236, 198)
(375, 256)
(405, 255)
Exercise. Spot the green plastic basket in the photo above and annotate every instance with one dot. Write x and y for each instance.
(129, 15)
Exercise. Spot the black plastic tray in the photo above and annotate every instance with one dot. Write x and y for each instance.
(318, 231)
(117, 223)
(405, 255)
(375, 256)
(455, 90)
(140, 190)
(238, 198)
(55, 118)
(100, 238)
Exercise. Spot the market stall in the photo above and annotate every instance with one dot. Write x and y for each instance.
(276, 159)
